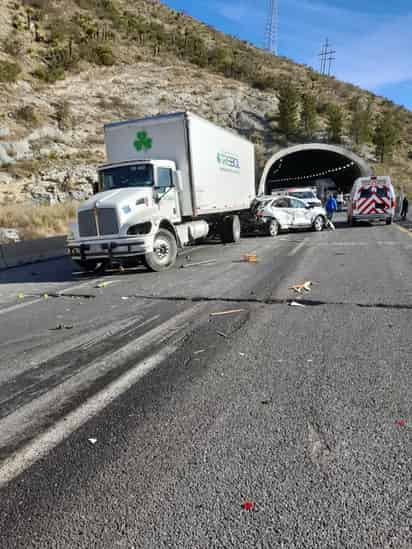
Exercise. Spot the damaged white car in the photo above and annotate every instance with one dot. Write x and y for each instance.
(274, 214)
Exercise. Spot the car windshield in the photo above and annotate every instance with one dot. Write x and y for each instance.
(302, 194)
(135, 175)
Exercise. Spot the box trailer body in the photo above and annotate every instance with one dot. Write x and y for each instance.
(179, 173)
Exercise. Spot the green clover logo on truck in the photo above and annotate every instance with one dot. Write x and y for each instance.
(142, 142)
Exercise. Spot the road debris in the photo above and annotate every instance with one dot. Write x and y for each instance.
(45, 296)
(221, 334)
(105, 284)
(400, 423)
(208, 262)
(242, 354)
(266, 401)
(231, 312)
(62, 327)
(199, 351)
(248, 258)
(301, 288)
(125, 298)
(20, 296)
(296, 304)
(92, 440)
(247, 505)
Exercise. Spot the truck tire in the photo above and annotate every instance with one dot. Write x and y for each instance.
(164, 252)
(273, 228)
(318, 224)
(389, 221)
(230, 229)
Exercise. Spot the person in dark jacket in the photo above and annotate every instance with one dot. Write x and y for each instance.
(405, 208)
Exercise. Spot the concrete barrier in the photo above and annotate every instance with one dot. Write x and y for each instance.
(31, 251)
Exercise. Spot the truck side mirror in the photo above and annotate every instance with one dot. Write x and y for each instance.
(177, 180)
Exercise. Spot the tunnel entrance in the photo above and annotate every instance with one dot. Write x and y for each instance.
(327, 167)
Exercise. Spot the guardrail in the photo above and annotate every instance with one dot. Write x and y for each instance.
(31, 251)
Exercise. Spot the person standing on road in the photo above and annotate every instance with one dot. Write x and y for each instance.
(405, 208)
(331, 206)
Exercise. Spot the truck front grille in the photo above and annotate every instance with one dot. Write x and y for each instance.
(106, 219)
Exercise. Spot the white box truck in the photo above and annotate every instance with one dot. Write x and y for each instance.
(168, 181)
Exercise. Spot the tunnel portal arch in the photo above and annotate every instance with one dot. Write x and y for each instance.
(313, 164)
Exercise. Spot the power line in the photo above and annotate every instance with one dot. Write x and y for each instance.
(271, 33)
(326, 58)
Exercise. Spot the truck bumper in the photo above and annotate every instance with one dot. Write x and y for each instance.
(110, 250)
(371, 217)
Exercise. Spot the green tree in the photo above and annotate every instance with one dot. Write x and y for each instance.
(288, 109)
(361, 123)
(386, 136)
(335, 123)
(309, 116)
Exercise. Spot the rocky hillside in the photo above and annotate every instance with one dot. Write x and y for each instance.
(68, 67)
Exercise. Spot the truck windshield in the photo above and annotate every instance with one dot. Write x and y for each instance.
(137, 175)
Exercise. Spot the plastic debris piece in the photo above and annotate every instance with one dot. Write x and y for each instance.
(242, 354)
(266, 401)
(400, 423)
(92, 440)
(125, 298)
(221, 334)
(62, 327)
(296, 304)
(105, 284)
(20, 296)
(231, 312)
(247, 505)
(249, 258)
(208, 262)
(300, 288)
(200, 351)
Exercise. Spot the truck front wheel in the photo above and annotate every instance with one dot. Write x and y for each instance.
(230, 229)
(164, 252)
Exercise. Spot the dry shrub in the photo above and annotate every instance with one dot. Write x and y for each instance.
(38, 221)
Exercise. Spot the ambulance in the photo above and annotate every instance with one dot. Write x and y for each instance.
(372, 199)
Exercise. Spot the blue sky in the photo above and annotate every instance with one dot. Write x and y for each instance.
(373, 39)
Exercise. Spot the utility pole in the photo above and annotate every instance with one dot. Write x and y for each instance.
(271, 33)
(326, 57)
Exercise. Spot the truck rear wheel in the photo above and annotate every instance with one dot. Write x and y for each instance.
(164, 252)
(230, 229)
(389, 221)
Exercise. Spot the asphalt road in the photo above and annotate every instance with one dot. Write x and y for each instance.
(131, 417)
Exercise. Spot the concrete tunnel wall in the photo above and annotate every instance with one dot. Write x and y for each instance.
(295, 162)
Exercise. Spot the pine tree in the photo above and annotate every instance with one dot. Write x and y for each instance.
(288, 109)
(309, 115)
(335, 123)
(361, 123)
(386, 136)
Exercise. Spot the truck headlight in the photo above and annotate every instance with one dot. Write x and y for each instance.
(140, 228)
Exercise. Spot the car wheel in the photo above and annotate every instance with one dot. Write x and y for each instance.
(164, 252)
(273, 228)
(318, 224)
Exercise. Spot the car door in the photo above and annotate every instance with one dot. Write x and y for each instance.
(301, 214)
(282, 211)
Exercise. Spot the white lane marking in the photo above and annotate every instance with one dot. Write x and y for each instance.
(44, 443)
(298, 247)
(19, 306)
(29, 415)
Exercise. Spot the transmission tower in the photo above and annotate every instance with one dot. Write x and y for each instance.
(326, 58)
(271, 34)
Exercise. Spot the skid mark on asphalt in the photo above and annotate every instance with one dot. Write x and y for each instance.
(274, 301)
